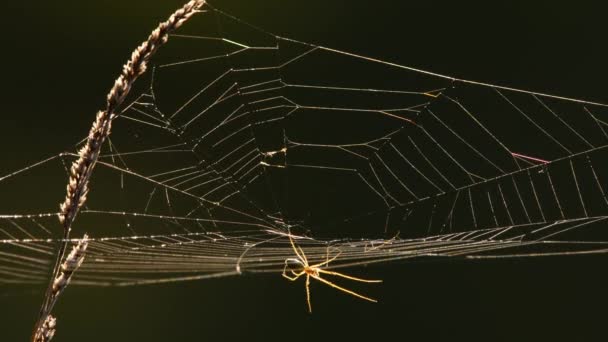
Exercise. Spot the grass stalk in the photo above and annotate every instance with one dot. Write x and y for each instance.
(82, 169)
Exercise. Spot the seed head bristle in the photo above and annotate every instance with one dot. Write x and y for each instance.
(70, 265)
(47, 330)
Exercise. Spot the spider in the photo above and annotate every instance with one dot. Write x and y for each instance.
(315, 271)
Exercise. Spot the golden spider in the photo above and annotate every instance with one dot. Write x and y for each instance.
(315, 271)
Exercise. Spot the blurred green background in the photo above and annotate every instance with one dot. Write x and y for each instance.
(60, 58)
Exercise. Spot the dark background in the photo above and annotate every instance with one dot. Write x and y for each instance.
(59, 59)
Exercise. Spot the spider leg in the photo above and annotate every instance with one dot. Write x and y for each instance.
(338, 274)
(302, 256)
(308, 293)
(344, 290)
(295, 276)
(327, 261)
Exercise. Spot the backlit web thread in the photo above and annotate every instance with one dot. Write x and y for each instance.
(240, 138)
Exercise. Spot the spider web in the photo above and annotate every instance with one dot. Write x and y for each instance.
(240, 139)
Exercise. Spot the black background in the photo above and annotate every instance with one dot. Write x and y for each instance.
(59, 59)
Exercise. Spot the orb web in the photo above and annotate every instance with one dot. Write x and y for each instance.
(239, 138)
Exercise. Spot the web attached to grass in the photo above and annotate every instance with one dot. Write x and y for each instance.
(240, 138)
